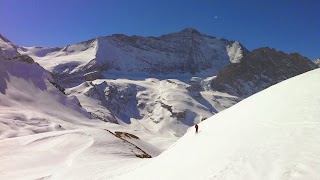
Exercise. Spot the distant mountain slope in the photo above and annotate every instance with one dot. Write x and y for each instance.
(260, 69)
(30, 100)
(273, 134)
(187, 51)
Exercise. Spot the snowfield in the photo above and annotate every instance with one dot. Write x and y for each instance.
(271, 135)
(57, 59)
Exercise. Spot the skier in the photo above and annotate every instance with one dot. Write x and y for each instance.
(196, 126)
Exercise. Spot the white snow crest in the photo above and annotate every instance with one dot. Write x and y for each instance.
(235, 52)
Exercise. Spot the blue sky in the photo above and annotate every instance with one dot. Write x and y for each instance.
(287, 25)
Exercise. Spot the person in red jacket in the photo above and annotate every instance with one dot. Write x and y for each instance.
(196, 126)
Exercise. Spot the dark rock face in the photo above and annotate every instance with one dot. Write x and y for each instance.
(25, 58)
(120, 100)
(260, 69)
(92, 76)
(61, 89)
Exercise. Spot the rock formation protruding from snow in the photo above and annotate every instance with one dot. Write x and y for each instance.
(260, 69)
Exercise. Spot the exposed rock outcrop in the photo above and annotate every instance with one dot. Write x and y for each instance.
(260, 69)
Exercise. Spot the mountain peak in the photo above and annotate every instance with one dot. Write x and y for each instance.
(190, 31)
(7, 49)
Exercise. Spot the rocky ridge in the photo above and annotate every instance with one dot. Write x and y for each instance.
(260, 69)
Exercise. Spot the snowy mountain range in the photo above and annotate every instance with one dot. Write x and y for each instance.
(106, 108)
(156, 70)
(164, 84)
(185, 52)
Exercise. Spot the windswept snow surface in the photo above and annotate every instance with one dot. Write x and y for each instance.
(271, 135)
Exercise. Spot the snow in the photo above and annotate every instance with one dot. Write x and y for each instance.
(64, 59)
(235, 52)
(30, 104)
(166, 107)
(86, 154)
(44, 134)
(271, 135)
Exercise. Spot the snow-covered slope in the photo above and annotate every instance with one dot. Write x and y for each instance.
(271, 135)
(85, 153)
(45, 134)
(65, 60)
(30, 101)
